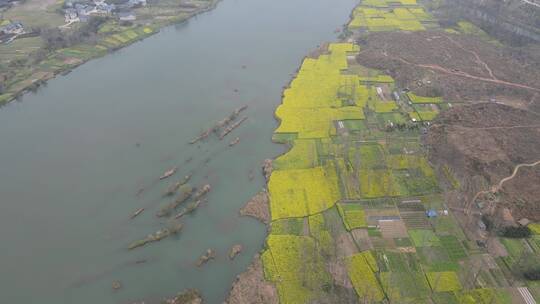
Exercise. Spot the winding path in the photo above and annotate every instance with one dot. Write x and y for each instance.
(531, 3)
(491, 128)
(516, 169)
(467, 75)
(496, 188)
(476, 56)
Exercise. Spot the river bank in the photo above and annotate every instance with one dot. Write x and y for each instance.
(357, 211)
(23, 75)
(81, 148)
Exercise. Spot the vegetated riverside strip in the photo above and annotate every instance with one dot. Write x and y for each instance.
(47, 49)
(358, 214)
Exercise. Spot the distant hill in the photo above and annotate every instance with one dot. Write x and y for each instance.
(515, 21)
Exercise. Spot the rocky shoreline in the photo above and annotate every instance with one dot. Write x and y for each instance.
(250, 287)
(257, 207)
(189, 296)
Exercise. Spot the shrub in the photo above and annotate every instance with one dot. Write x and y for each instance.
(515, 232)
(532, 275)
(488, 222)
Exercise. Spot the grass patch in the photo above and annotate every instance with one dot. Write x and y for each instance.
(444, 298)
(354, 124)
(319, 231)
(4, 98)
(453, 247)
(374, 232)
(387, 118)
(423, 99)
(515, 248)
(376, 183)
(484, 296)
(391, 261)
(353, 216)
(292, 226)
(424, 238)
(436, 259)
(535, 228)
(450, 177)
(446, 225)
(405, 287)
(371, 156)
(403, 242)
(443, 281)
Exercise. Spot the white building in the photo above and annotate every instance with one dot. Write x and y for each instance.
(126, 16)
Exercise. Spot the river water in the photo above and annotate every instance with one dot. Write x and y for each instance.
(73, 155)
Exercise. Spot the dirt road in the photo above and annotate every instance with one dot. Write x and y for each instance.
(467, 75)
(516, 169)
(496, 188)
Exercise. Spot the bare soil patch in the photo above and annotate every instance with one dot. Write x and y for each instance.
(251, 288)
(393, 229)
(258, 207)
(362, 239)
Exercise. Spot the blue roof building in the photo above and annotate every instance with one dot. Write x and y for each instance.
(431, 213)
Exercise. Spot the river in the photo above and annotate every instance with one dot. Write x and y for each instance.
(74, 154)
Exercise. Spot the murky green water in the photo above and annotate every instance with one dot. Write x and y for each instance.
(70, 167)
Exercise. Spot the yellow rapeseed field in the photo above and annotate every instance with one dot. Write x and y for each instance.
(302, 192)
(377, 16)
(316, 96)
(361, 270)
(302, 155)
(295, 266)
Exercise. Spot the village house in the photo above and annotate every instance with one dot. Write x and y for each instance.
(70, 15)
(134, 3)
(104, 8)
(126, 16)
(75, 12)
(83, 9)
(12, 28)
(9, 31)
(6, 3)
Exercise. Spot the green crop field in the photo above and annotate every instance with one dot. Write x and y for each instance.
(453, 247)
(443, 281)
(422, 238)
(422, 99)
(353, 216)
(291, 226)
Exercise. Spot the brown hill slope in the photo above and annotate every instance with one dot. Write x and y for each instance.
(488, 141)
(457, 67)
